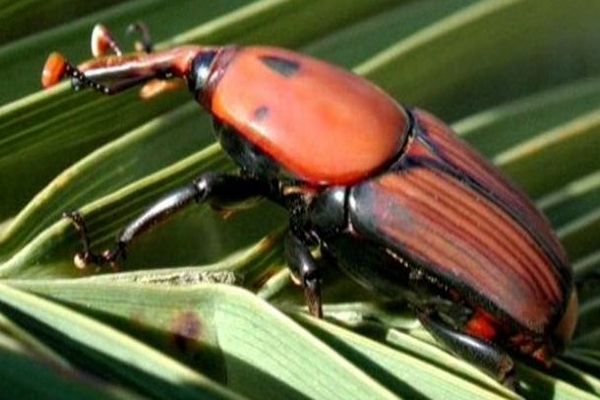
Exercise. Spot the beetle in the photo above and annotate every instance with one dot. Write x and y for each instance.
(388, 192)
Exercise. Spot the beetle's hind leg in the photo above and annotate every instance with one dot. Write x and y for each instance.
(485, 355)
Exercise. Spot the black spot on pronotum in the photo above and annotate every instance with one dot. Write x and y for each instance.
(261, 113)
(281, 65)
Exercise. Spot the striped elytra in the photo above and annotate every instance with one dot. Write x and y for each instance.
(451, 213)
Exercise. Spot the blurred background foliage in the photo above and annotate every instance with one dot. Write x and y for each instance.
(187, 316)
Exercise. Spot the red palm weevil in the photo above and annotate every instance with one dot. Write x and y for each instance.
(388, 192)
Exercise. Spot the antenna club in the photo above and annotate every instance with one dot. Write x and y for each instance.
(54, 69)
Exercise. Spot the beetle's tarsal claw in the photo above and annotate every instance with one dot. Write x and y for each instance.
(79, 260)
(146, 44)
(87, 257)
(110, 257)
(312, 294)
(82, 260)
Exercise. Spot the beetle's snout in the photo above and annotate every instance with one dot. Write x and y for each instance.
(54, 69)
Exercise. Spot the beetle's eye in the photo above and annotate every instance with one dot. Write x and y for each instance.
(200, 70)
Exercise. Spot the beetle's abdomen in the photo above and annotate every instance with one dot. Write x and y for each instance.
(454, 215)
(321, 123)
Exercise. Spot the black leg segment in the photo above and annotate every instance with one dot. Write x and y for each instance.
(305, 268)
(486, 356)
(219, 189)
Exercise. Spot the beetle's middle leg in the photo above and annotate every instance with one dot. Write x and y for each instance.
(306, 270)
(219, 189)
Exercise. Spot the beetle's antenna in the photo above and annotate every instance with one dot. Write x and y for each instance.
(57, 67)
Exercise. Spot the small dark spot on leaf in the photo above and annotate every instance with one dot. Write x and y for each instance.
(186, 330)
(261, 113)
(281, 65)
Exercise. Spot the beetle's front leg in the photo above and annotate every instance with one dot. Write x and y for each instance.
(220, 189)
(306, 270)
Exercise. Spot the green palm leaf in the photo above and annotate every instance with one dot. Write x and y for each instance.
(519, 80)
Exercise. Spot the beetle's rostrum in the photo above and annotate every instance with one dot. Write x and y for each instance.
(388, 193)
